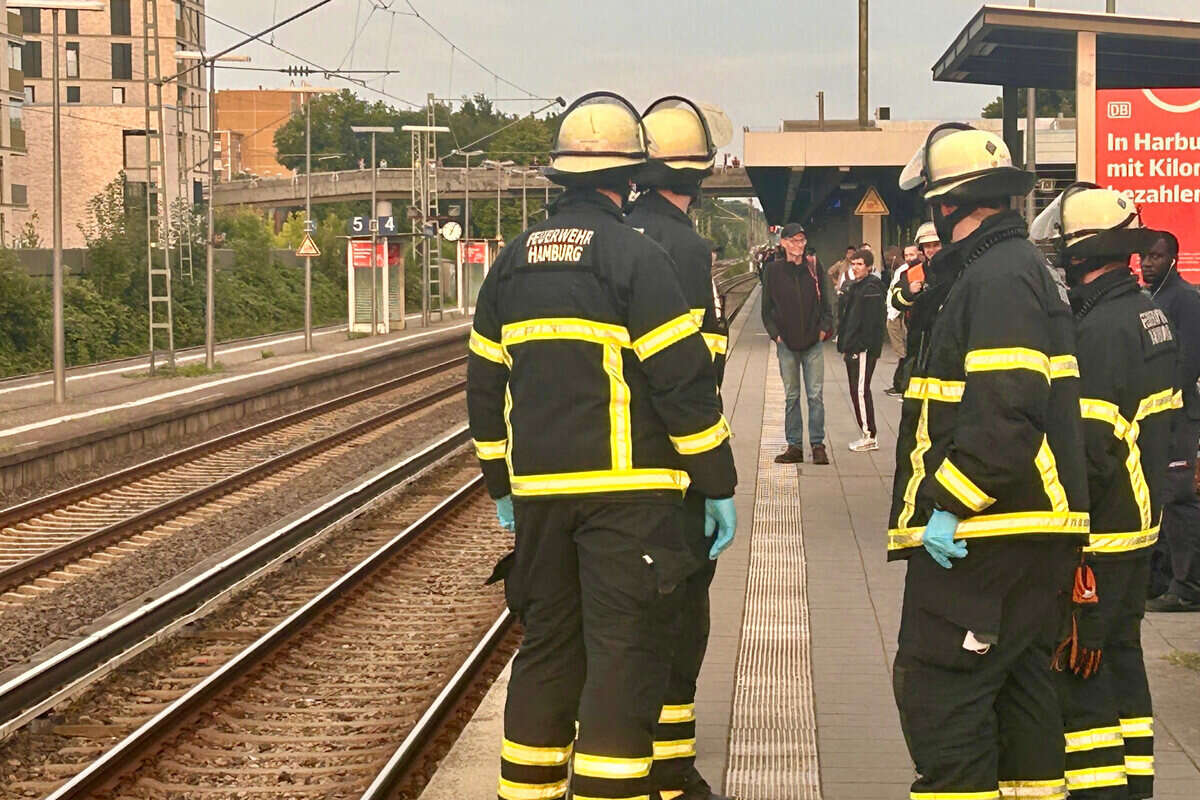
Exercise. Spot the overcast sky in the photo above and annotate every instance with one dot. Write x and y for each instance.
(762, 60)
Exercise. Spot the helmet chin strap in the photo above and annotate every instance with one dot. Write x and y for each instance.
(945, 224)
(1076, 272)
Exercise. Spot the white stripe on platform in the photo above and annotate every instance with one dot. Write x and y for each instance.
(200, 387)
(773, 738)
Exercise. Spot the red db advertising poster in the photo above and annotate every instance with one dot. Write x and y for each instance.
(1148, 146)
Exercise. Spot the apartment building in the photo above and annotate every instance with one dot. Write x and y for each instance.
(104, 98)
(12, 135)
(251, 117)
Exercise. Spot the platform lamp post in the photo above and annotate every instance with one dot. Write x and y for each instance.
(210, 346)
(499, 166)
(306, 93)
(467, 155)
(59, 334)
(463, 278)
(524, 172)
(374, 130)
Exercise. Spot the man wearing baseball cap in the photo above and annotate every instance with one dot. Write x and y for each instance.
(797, 310)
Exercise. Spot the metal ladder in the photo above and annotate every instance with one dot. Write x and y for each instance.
(185, 201)
(435, 266)
(158, 244)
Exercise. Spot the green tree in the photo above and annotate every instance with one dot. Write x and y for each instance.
(1050, 103)
(24, 318)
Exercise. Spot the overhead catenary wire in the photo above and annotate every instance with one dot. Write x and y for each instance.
(331, 73)
(499, 78)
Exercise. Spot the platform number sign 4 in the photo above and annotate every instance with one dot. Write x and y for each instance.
(365, 226)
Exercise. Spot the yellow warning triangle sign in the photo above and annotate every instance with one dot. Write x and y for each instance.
(309, 248)
(872, 205)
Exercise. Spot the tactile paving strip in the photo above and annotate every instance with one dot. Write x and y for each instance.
(773, 740)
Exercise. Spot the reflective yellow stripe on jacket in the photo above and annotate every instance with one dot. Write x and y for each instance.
(491, 451)
(1009, 358)
(485, 348)
(629, 480)
(1040, 790)
(1128, 432)
(1032, 522)
(512, 790)
(962, 487)
(664, 336)
(703, 441)
(935, 389)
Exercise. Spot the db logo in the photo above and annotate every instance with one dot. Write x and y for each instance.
(1120, 109)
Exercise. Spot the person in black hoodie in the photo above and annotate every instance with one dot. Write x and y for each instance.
(860, 340)
(1175, 575)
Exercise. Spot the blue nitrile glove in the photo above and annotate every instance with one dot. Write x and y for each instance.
(720, 517)
(504, 511)
(939, 538)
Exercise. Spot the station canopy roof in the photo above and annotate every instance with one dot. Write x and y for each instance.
(1035, 48)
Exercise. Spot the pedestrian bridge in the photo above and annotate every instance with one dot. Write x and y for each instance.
(453, 183)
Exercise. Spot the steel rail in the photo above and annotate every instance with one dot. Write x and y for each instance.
(131, 750)
(47, 560)
(47, 682)
(438, 711)
(39, 505)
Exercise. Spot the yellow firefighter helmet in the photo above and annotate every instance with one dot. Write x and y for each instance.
(960, 164)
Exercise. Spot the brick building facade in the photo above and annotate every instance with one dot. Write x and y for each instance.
(104, 97)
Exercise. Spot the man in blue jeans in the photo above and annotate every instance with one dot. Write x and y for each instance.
(797, 310)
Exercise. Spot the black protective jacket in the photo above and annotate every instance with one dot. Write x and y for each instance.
(662, 221)
(990, 428)
(1127, 364)
(587, 375)
(797, 303)
(1181, 303)
(862, 317)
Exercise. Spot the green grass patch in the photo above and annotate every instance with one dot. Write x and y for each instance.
(197, 370)
(1185, 658)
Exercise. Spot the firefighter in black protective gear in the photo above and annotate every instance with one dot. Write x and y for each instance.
(1175, 565)
(989, 473)
(1127, 364)
(592, 401)
(683, 141)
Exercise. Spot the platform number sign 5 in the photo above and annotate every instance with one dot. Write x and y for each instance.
(365, 226)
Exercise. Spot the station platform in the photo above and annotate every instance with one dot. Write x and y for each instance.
(795, 700)
(121, 397)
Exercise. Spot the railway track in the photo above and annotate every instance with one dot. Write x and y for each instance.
(52, 540)
(339, 697)
(49, 681)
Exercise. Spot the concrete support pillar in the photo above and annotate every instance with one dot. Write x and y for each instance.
(1085, 106)
(1011, 134)
(872, 234)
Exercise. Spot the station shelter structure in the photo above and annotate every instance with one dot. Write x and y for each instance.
(819, 172)
(840, 180)
(375, 291)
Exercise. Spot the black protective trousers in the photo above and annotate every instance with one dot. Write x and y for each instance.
(860, 367)
(675, 736)
(1108, 718)
(1176, 560)
(593, 583)
(984, 724)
